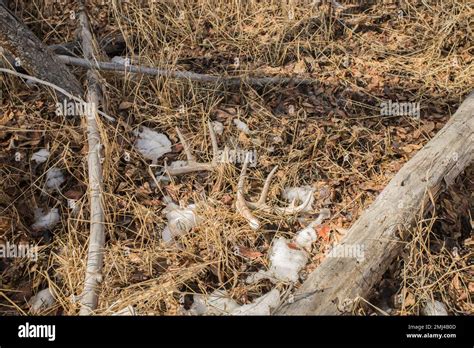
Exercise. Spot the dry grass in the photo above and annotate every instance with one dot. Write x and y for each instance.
(436, 263)
(332, 138)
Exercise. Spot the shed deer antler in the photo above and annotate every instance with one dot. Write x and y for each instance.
(191, 165)
(245, 207)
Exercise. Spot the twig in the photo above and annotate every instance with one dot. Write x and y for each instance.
(182, 75)
(53, 86)
(95, 255)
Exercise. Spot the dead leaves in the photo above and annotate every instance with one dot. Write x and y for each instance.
(323, 232)
(227, 199)
(248, 253)
(300, 67)
(426, 130)
(293, 246)
(125, 105)
(6, 117)
(5, 224)
(471, 288)
(408, 149)
(225, 115)
(74, 193)
(372, 186)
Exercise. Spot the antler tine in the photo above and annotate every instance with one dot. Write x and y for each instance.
(291, 209)
(212, 133)
(191, 164)
(266, 187)
(245, 207)
(241, 203)
(187, 150)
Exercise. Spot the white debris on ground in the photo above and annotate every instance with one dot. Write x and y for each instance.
(260, 306)
(285, 263)
(434, 308)
(286, 259)
(54, 178)
(45, 221)
(277, 139)
(152, 145)
(242, 126)
(307, 236)
(220, 303)
(300, 194)
(120, 60)
(42, 301)
(127, 311)
(218, 127)
(217, 303)
(180, 220)
(160, 177)
(40, 156)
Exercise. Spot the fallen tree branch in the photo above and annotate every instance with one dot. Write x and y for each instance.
(341, 279)
(95, 255)
(183, 75)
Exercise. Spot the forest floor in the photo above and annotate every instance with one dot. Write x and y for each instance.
(330, 137)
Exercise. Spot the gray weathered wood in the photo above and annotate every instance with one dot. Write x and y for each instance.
(95, 255)
(184, 75)
(33, 55)
(338, 282)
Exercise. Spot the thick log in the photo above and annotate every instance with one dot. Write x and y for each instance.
(33, 55)
(334, 287)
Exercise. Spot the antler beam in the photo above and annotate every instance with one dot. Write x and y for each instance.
(191, 165)
(245, 207)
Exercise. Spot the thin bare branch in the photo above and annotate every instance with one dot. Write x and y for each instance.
(183, 75)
